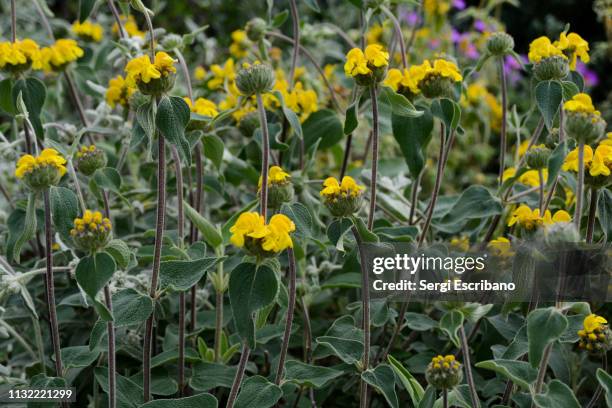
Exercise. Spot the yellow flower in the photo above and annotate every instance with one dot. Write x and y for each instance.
(356, 63)
(376, 55)
(199, 73)
(397, 80)
(278, 238)
(374, 34)
(142, 69)
(47, 158)
(119, 91)
(573, 46)
(202, 106)
(348, 187)
(248, 224)
(502, 246)
(559, 216)
(240, 44)
(461, 243)
(541, 48)
(436, 7)
(447, 69)
(571, 160)
(508, 173)
(62, 52)
(164, 63)
(274, 236)
(440, 67)
(21, 52)
(331, 187)
(580, 102)
(88, 30)
(276, 175)
(607, 141)
(532, 178)
(594, 322)
(92, 231)
(221, 74)
(526, 218)
(130, 26)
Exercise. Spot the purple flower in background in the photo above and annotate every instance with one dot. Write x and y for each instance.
(590, 77)
(512, 68)
(480, 25)
(411, 17)
(465, 45)
(459, 4)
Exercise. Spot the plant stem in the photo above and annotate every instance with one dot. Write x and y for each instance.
(347, 155)
(112, 387)
(436, 190)
(199, 189)
(159, 236)
(502, 137)
(43, 19)
(592, 214)
(289, 320)
(414, 197)
(151, 34)
(218, 322)
(183, 65)
(542, 369)
(181, 232)
(398, 33)
(265, 156)
(117, 17)
(541, 189)
(374, 173)
(13, 21)
(365, 306)
(295, 20)
(11, 331)
(55, 338)
(445, 398)
(244, 358)
(468, 368)
(77, 186)
(579, 185)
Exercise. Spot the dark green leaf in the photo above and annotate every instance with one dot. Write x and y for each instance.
(301, 217)
(325, 125)
(108, 178)
(78, 356)
(258, 392)
(213, 149)
(85, 7)
(414, 388)
(549, 95)
(558, 395)
(211, 375)
(119, 251)
(604, 211)
(6, 96)
(182, 275)
(93, 272)
(351, 121)
(605, 380)
(543, 327)
(209, 232)
(131, 307)
(172, 118)
(309, 375)
(22, 226)
(413, 135)
(450, 324)
(34, 93)
(555, 161)
(400, 105)
(518, 371)
(64, 209)
(382, 379)
(195, 401)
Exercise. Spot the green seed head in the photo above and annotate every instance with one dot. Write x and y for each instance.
(254, 79)
(500, 44)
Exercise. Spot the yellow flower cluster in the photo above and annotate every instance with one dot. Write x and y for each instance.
(91, 222)
(361, 63)
(593, 335)
(202, 106)
(477, 95)
(445, 362)
(530, 177)
(501, 246)
(85, 150)
(199, 73)
(598, 163)
(20, 53)
(240, 44)
(570, 46)
(276, 175)
(119, 91)
(88, 31)
(582, 103)
(273, 237)
(47, 158)
(530, 219)
(142, 69)
(300, 100)
(400, 81)
(411, 78)
(61, 53)
(348, 187)
(130, 26)
(222, 75)
(436, 7)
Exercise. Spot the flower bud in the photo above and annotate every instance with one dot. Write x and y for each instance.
(595, 336)
(157, 86)
(436, 86)
(256, 29)
(254, 79)
(92, 232)
(555, 67)
(537, 157)
(500, 44)
(584, 127)
(89, 159)
(444, 373)
(171, 41)
(43, 171)
(280, 187)
(342, 199)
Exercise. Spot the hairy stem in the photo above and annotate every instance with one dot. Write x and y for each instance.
(110, 328)
(374, 174)
(579, 186)
(468, 368)
(199, 189)
(542, 369)
(295, 21)
(218, 322)
(117, 17)
(365, 306)
(265, 156)
(183, 65)
(398, 34)
(13, 21)
(445, 398)
(502, 137)
(244, 358)
(159, 236)
(55, 338)
(592, 214)
(289, 321)
(436, 190)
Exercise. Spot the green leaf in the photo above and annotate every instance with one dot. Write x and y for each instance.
(145, 117)
(604, 211)
(577, 79)
(363, 231)
(549, 95)
(251, 288)
(382, 379)
(78, 356)
(337, 230)
(209, 232)
(211, 375)
(129, 393)
(313, 5)
(414, 388)
(447, 111)
(325, 125)
(213, 148)
(42, 381)
(558, 395)
(309, 375)
(98, 337)
(120, 252)
(108, 178)
(85, 7)
(343, 340)
(182, 275)
(343, 280)
(419, 322)
(195, 401)
(64, 209)
(605, 380)
(429, 398)
(413, 135)
(34, 93)
(520, 372)
(258, 392)
(400, 105)
(450, 324)
(475, 202)
(22, 227)
(555, 161)
(350, 120)
(93, 272)
(569, 89)
(171, 119)
(301, 217)
(6, 97)
(543, 327)
(280, 18)
(131, 307)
